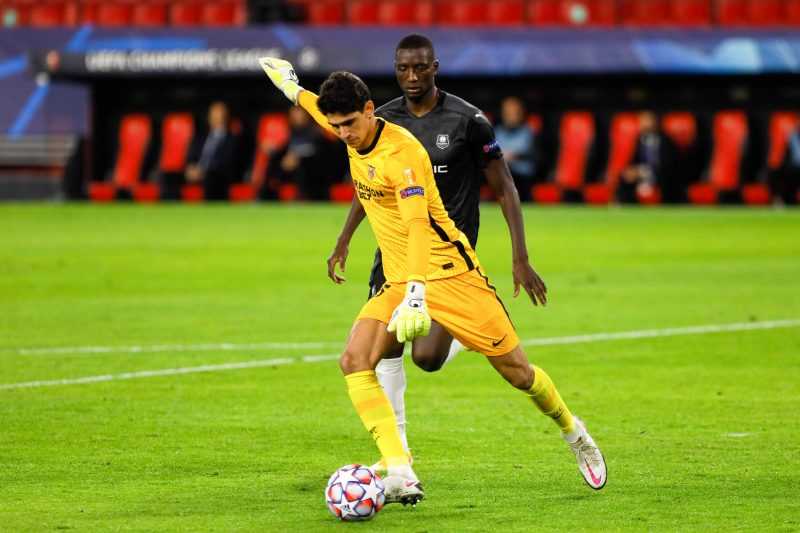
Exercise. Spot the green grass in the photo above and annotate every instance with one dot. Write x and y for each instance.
(700, 432)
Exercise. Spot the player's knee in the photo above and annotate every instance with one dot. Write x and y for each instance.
(351, 362)
(428, 361)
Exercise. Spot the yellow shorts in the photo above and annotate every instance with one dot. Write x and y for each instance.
(467, 306)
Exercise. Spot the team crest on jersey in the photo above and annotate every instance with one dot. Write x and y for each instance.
(371, 172)
(442, 141)
(409, 175)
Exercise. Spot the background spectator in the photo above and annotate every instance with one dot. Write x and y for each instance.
(516, 139)
(653, 164)
(309, 159)
(785, 181)
(213, 157)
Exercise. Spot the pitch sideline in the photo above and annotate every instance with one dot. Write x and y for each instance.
(574, 339)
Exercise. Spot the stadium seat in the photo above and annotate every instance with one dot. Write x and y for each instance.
(177, 132)
(220, 14)
(288, 192)
(342, 193)
(729, 137)
(781, 124)
(535, 123)
(650, 197)
(681, 127)
(149, 14)
(362, 12)
(486, 193)
(273, 129)
(146, 192)
(576, 136)
(623, 135)
(732, 12)
(192, 193)
(53, 14)
(756, 194)
(765, 12)
(546, 13)
(134, 138)
(242, 192)
(185, 14)
(645, 13)
(573, 12)
(15, 14)
(793, 12)
(461, 12)
(691, 12)
(326, 12)
(505, 12)
(113, 14)
(405, 12)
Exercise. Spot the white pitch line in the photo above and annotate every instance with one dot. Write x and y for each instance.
(168, 372)
(575, 339)
(547, 341)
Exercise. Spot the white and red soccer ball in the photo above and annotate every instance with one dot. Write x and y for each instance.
(354, 492)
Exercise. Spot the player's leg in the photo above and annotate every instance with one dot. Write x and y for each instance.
(535, 382)
(432, 351)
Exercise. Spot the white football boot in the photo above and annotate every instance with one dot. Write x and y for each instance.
(591, 463)
(381, 469)
(402, 486)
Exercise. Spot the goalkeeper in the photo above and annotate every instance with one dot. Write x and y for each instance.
(431, 272)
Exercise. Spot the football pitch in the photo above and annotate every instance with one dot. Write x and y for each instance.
(172, 368)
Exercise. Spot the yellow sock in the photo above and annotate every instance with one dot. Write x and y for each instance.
(546, 397)
(376, 412)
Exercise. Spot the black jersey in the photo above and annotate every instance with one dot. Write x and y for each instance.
(460, 142)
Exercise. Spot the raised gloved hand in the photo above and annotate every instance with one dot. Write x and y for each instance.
(282, 74)
(411, 319)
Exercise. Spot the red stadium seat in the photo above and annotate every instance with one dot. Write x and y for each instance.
(52, 14)
(134, 138)
(288, 192)
(729, 135)
(756, 194)
(405, 12)
(150, 14)
(486, 193)
(146, 192)
(781, 124)
(177, 132)
(362, 12)
(185, 14)
(645, 13)
(505, 12)
(681, 127)
(535, 122)
(242, 192)
(649, 197)
(576, 136)
(15, 13)
(624, 134)
(573, 12)
(342, 193)
(691, 12)
(273, 130)
(325, 12)
(793, 12)
(461, 12)
(220, 14)
(732, 12)
(114, 14)
(102, 192)
(192, 193)
(766, 12)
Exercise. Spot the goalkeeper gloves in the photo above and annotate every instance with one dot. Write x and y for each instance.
(282, 75)
(411, 319)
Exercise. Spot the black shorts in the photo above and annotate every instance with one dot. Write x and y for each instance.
(376, 277)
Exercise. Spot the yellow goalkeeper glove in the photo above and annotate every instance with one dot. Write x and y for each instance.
(282, 74)
(411, 319)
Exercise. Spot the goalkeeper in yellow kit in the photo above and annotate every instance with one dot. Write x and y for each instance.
(431, 272)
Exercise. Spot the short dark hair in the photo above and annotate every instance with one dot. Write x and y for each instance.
(413, 42)
(343, 93)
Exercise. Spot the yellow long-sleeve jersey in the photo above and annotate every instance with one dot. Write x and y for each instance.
(393, 178)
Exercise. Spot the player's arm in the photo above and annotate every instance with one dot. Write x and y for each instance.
(411, 319)
(342, 248)
(282, 74)
(499, 178)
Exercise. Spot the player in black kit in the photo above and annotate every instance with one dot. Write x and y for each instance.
(462, 147)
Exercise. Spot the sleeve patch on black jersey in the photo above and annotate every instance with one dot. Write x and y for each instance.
(412, 191)
(492, 147)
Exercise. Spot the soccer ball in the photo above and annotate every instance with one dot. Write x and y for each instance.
(354, 492)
